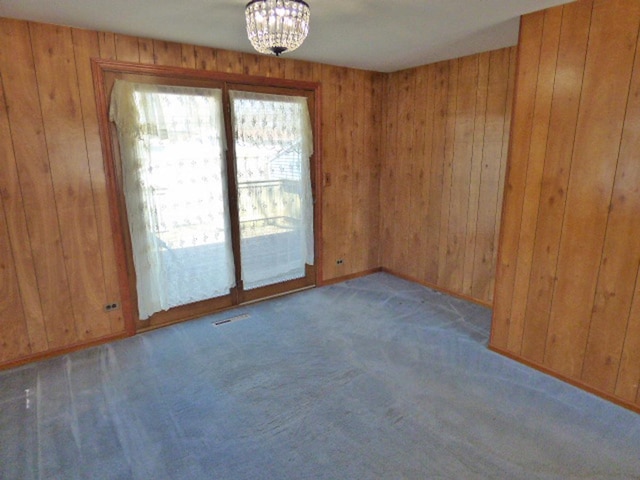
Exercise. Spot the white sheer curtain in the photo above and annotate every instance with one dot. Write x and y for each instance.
(273, 144)
(172, 144)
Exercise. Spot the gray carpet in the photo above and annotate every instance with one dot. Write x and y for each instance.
(375, 378)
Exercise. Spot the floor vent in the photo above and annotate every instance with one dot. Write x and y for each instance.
(231, 319)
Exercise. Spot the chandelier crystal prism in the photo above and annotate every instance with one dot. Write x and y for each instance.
(277, 26)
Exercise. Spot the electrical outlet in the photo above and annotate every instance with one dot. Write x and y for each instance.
(339, 261)
(110, 307)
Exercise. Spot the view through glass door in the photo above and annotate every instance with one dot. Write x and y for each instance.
(186, 233)
(273, 144)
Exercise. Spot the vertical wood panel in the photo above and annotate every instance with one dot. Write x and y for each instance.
(439, 188)
(489, 182)
(597, 144)
(453, 272)
(475, 177)
(535, 164)
(21, 256)
(255, 64)
(555, 177)
(65, 137)
(145, 49)
(127, 48)
(34, 173)
(107, 42)
(14, 337)
(388, 171)
(506, 138)
(86, 46)
(620, 257)
(329, 233)
(360, 201)
(373, 153)
(404, 166)
(441, 76)
(303, 71)
(14, 334)
(419, 202)
(582, 292)
(167, 53)
(522, 122)
(342, 166)
(275, 68)
(188, 56)
(205, 58)
(448, 157)
(230, 62)
(628, 379)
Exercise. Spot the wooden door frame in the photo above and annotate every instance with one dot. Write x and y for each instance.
(104, 72)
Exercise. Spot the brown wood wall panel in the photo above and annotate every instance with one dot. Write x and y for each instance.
(57, 250)
(555, 177)
(66, 146)
(127, 48)
(597, 144)
(420, 182)
(145, 46)
(571, 209)
(107, 43)
(460, 183)
(20, 257)
(504, 326)
(86, 45)
(388, 172)
(14, 336)
(490, 184)
(475, 177)
(437, 132)
(404, 170)
(616, 282)
(351, 126)
(628, 381)
(536, 154)
(34, 176)
(167, 53)
(369, 170)
(449, 143)
(443, 159)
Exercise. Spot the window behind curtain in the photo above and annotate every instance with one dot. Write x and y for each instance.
(175, 185)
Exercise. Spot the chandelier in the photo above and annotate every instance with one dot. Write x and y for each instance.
(277, 26)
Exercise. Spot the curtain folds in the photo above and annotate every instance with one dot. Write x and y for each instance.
(172, 144)
(172, 148)
(273, 144)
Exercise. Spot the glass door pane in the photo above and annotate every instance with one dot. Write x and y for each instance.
(175, 185)
(273, 145)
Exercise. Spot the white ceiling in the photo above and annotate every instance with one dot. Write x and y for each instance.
(380, 35)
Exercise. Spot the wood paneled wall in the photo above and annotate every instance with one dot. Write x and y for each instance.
(444, 155)
(57, 260)
(352, 111)
(568, 279)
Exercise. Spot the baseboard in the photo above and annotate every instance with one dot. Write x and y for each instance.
(634, 407)
(344, 278)
(437, 287)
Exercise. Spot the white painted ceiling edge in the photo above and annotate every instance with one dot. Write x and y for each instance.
(378, 35)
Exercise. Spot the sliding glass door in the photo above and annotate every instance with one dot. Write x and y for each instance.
(175, 188)
(207, 219)
(273, 144)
